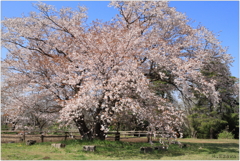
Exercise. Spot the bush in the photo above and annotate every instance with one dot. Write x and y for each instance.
(4, 127)
(225, 135)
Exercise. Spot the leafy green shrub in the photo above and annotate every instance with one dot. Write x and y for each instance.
(4, 127)
(225, 135)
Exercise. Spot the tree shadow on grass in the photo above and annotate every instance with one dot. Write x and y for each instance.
(202, 148)
(219, 148)
(125, 150)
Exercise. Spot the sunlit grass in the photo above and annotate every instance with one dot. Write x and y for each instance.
(197, 149)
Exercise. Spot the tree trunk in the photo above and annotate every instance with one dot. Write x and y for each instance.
(88, 134)
(118, 126)
(211, 133)
(194, 134)
(98, 133)
(83, 129)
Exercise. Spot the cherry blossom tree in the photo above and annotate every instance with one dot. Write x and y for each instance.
(97, 72)
(25, 108)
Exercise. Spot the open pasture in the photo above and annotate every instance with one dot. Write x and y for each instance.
(128, 149)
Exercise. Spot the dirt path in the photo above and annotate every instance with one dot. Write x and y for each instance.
(210, 140)
(144, 140)
(124, 139)
(131, 139)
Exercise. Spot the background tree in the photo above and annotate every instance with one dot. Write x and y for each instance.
(208, 120)
(26, 108)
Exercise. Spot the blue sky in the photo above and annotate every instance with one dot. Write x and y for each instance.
(217, 16)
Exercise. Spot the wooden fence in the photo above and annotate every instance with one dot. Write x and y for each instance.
(41, 136)
(25, 135)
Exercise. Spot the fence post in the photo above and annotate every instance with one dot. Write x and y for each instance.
(24, 136)
(65, 138)
(148, 137)
(42, 138)
(21, 139)
(117, 136)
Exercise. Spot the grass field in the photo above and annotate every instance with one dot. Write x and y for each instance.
(198, 149)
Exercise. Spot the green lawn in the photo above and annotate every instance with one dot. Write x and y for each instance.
(198, 149)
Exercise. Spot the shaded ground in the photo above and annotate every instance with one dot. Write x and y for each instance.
(187, 140)
(131, 139)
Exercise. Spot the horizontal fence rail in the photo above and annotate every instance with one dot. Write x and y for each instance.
(22, 135)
